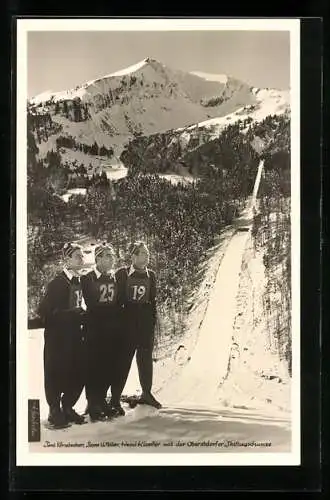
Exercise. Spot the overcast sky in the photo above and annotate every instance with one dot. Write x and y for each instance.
(62, 60)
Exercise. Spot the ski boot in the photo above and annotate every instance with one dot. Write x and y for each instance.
(57, 419)
(115, 410)
(72, 416)
(97, 414)
(150, 400)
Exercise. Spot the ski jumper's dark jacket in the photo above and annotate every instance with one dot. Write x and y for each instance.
(61, 312)
(102, 330)
(137, 297)
(101, 297)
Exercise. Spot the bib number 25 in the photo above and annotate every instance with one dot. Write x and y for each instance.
(139, 292)
(107, 292)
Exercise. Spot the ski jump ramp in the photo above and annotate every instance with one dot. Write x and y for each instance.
(202, 375)
(200, 379)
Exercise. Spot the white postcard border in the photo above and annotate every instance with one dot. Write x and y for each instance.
(24, 456)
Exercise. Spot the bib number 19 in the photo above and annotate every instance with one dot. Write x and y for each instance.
(138, 292)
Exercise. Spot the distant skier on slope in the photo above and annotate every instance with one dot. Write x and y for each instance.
(137, 289)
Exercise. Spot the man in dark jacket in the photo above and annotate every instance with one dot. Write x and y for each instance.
(101, 297)
(62, 313)
(137, 294)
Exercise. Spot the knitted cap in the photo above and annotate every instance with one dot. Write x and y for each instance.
(101, 248)
(136, 246)
(69, 248)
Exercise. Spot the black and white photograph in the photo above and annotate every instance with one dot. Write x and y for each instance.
(158, 259)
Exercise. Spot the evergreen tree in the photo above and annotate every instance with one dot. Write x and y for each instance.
(94, 149)
(85, 112)
(66, 109)
(32, 163)
(103, 151)
(76, 103)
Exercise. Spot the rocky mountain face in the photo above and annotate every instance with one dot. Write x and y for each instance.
(93, 123)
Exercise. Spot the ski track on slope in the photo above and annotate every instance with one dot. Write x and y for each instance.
(202, 375)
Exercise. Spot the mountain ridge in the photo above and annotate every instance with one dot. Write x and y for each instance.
(143, 99)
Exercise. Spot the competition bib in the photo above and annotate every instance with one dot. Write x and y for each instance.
(138, 288)
(75, 296)
(106, 291)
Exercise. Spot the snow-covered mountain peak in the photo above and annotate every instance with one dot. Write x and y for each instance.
(125, 71)
(80, 90)
(146, 98)
(152, 70)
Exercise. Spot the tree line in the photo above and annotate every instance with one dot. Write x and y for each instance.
(42, 125)
(95, 150)
(272, 235)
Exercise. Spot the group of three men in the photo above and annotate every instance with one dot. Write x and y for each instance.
(94, 325)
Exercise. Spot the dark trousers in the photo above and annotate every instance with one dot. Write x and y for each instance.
(137, 337)
(63, 368)
(101, 352)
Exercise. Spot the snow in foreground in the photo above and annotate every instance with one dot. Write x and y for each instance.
(176, 429)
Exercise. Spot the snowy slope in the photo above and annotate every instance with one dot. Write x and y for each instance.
(269, 102)
(204, 373)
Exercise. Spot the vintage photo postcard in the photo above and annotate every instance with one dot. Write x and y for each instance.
(158, 181)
